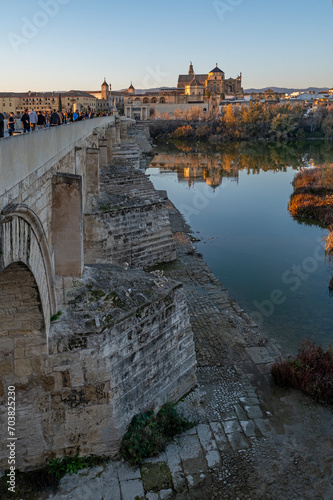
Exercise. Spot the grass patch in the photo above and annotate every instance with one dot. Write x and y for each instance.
(310, 371)
(56, 316)
(148, 433)
(71, 465)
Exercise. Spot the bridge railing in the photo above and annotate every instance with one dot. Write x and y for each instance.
(21, 155)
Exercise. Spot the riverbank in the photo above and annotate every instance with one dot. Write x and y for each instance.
(253, 439)
(313, 199)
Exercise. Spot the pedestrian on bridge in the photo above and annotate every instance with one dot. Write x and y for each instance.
(33, 119)
(54, 119)
(41, 120)
(11, 123)
(25, 122)
(2, 125)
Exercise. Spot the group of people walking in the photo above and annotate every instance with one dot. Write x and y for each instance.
(32, 120)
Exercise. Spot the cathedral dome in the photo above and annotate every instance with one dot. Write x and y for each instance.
(216, 70)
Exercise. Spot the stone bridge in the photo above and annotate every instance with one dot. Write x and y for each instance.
(87, 337)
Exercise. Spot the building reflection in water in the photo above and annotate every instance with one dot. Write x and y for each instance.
(198, 167)
(210, 164)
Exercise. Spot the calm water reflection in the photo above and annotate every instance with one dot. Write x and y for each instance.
(235, 197)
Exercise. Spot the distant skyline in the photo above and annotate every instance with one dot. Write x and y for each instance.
(73, 44)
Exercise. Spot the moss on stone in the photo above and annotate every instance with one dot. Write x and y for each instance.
(156, 476)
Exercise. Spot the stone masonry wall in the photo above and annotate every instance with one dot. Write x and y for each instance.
(82, 394)
(139, 235)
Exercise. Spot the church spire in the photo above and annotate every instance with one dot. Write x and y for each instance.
(191, 70)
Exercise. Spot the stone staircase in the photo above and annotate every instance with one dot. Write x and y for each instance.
(132, 183)
(128, 221)
(131, 230)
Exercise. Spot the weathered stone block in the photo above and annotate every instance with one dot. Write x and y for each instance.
(22, 367)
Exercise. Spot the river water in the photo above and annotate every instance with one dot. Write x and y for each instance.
(235, 198)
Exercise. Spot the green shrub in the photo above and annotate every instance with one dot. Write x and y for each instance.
(148, 433)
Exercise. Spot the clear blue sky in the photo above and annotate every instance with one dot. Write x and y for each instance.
(283, 43)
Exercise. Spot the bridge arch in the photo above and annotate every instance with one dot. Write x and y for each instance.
(23, 240)
(23, 361)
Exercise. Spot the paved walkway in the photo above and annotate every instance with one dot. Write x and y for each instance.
(253, 440)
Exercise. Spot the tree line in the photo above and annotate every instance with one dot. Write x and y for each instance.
(254, 121)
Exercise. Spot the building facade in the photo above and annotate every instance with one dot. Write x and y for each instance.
(75, 100)
(202, 91)
(214, 82)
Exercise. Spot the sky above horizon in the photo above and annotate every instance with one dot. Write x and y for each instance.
(74, 44)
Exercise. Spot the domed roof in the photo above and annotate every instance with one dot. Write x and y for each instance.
(216, 70)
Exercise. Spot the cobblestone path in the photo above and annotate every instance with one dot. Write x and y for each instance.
(252, 440)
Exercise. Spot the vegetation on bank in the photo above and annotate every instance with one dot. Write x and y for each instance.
(313, 198)
(310, 371)
(148, 433)
(244, 122)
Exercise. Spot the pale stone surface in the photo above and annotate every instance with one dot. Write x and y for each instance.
(248, 427)
(132, 489)
(126, 472)
(173, 457)
(152, 496)
(166, 494)
(219, 435)
(253, 411)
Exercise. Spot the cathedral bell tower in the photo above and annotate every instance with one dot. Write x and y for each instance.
(191, 70)
(105, 92)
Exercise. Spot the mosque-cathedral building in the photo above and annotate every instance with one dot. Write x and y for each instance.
(214, 82)
(201, 90)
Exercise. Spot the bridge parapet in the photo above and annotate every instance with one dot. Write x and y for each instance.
(22, 155)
